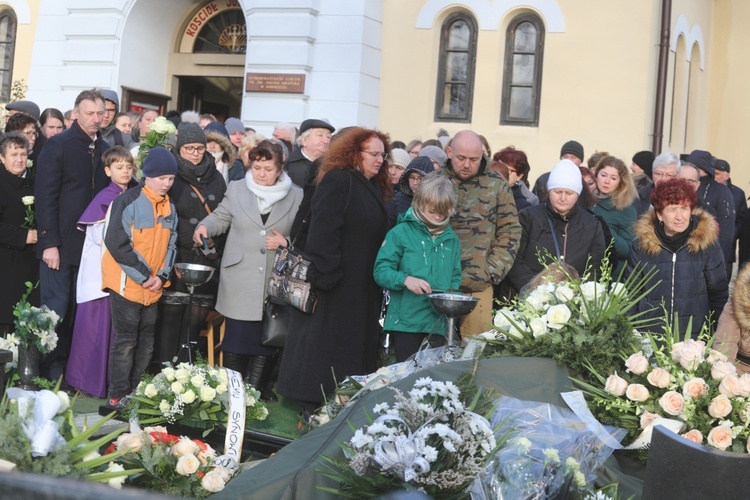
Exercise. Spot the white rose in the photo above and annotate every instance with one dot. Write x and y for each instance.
(182, 375)
(64, 402)
(27, 200)
(177, 387)
(637, 393)
(164, 406)
(591, 290)
(213, 481)
(617, 288)
(721, 369)
(169, 373)
(501, 320)
(188, 397)
(116, 482)
(185, 446)
(133, 442)
(187, 464)
(207, 393)
(223, 377)
(150, 391)
(637, 363)
(557, 316)
(538, 327)
(91, 456)
(221, 388)
(162, 126)
(197, 380)
(564, 293)
(538, 299)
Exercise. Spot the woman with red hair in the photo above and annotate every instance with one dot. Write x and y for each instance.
(516, 164)
(348, 222)
(682, 243)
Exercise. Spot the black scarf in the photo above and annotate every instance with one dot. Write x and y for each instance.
(673, 243)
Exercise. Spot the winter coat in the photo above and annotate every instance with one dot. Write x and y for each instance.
(347, 226)
(523, 197)
(693, 280)
(297, 167)
(68, 177)
(620, 224)
(410, 250)
(139, 242)
(114, 137)
(579, 237)
(246, 265)
(235, 169)
(17, 259)
(191, 211)
(644, 185)
(403, 193)
(486, 222)
(719, 198)
(733, 329)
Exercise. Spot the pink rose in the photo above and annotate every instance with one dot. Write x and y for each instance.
(691, 354)
(730, 386)
(648, 418)
(616, 385)
(720, 437)
(659, 377)
(672, 402)
(720, 406)
(637, 363)
(694, 436)
(721, 369)
(745, 385)
(637, 393)
(695, 388)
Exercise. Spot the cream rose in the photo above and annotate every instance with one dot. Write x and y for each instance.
(690, 354)
(637, 393)
(695, 388)
(648, 418)
(197, 380)
(720, 437)
(169, 373)
(538, 327)
(207, 393)
(204, 455)
(720, 406)
(177, 387)
(637, 363)
(714, 356)
(557, 316)
(591, 290)
(744, 389)
(182, 375)
(659, 377)
(730, 386)
(133, 442)
(721, 369)
(185, 446)
(188, 397)
(213, 481)
(187, 464)
(672, 402)
(693, 435)
(747, 446)
(616, 385)
(27, 200)
(221, 388)
(150, 391)
(116, 482)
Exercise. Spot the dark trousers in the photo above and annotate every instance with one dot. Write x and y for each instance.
(406, 344)
(57, 291)
(134, 325)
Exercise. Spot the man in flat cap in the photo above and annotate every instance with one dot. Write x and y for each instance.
(314, 138)
(28, 107)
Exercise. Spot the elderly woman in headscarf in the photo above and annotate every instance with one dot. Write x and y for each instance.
(682, 243)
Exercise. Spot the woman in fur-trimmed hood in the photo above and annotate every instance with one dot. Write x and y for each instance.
(682, 243)
(733, 330)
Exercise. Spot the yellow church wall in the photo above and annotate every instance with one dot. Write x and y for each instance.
(25, 35)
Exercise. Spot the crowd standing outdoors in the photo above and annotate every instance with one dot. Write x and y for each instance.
(373, 215)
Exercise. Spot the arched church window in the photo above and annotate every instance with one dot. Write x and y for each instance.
(522, 75)
(455, 82)
(7, 49)
(225, 33)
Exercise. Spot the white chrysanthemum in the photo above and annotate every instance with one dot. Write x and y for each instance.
(360, 439)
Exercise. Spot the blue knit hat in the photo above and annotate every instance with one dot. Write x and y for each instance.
(158, 162)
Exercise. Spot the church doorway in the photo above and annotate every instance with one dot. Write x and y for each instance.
(220, 96)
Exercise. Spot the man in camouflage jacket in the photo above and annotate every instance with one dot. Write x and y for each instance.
(486, 222)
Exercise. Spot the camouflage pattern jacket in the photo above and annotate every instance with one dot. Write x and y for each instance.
(487, 224)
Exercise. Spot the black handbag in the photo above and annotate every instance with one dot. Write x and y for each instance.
(276, 316)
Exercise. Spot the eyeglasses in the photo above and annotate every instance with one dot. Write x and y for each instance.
(191, 150)
(109, 110)
(664, 175)
(375, 154)
(31, 134)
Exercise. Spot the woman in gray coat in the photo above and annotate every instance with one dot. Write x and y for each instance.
(258, 213)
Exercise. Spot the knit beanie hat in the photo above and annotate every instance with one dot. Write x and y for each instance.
(158, 162)
(190, 133)
(434, 153)
(565, 175)
(645, 160)
(400, 157)
(572, 148)
(234, 125)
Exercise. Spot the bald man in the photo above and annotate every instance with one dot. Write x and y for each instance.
(486, 222)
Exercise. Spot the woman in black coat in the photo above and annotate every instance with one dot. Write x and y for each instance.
(560, 228)
(197, 190)
(347, 226)
(682, 243)
(18, 263)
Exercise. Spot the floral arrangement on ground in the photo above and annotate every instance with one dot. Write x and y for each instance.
(576, 322)
(686, 381)
(429, 440)
(193, 395)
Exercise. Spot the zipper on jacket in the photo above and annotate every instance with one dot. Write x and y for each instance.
(671, 302)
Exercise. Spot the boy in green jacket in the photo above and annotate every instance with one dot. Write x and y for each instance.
(420, 254)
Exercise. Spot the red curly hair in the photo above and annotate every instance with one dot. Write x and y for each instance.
(514, 158)
(673, 192)
(345, 151)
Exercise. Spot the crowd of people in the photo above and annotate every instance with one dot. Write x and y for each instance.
(372, 214)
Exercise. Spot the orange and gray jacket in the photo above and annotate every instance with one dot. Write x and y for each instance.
(139, 242)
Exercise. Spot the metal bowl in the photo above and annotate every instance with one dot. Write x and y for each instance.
(193, 274)
(453, 305)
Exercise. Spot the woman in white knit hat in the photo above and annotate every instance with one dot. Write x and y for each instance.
(558, 229)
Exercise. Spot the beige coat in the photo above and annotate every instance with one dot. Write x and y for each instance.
(733, 330)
